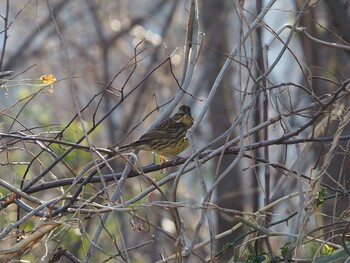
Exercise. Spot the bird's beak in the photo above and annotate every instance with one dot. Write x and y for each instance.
(188, 116)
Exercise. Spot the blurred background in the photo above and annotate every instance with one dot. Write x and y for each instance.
(99, 51)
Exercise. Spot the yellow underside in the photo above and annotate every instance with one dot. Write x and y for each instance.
(167, 151)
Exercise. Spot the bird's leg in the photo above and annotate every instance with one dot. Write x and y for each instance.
(154, 158)
(162, 160)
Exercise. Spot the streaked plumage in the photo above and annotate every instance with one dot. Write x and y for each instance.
(169, 137)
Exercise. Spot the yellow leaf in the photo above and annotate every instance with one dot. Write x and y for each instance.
(48, 79)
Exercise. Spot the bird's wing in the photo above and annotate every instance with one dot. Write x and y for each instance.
(170, 130)
(153, 134)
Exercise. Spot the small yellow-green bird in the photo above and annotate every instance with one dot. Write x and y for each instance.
(169, 137)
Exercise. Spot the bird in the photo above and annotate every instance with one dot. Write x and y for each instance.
(168, 138)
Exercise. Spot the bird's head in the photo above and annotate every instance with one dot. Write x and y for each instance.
(184, 116)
